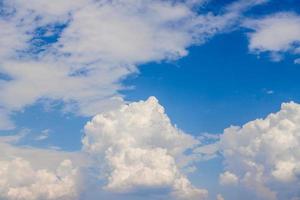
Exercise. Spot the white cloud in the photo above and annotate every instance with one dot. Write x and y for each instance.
(5, 122)
(140, 31)
(97, 48)
(139, 148)
(265, 154)
(91, 46)
(276, 33)
(11, 39)
(220, 197)
(28, 173)
(228, 178)
(18, 180)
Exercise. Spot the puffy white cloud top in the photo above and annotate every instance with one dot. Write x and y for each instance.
(136, 148)
(28, 173)
(141, 149)
(20, 181)
(264, 154)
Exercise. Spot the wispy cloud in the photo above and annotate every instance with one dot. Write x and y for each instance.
(44, 135)
(275, 34)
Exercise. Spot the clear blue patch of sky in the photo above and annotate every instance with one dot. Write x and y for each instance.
(44, 37)
(275, 6)
(271, 6)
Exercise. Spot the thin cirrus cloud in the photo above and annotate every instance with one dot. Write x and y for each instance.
(78, 52)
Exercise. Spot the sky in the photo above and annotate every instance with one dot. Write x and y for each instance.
(150, 99)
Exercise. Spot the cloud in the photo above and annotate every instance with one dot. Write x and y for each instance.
(28, 173)
(136, 149)
(264, 154)
(140, 148)
(297, 61)
(220, 197)
(128, 151)
(141, 31)
(20, 181)
(5, 122)
(44, 135)
(86, 47)
(276, 34)
(228, 178)
(11, 39)
(78, 52)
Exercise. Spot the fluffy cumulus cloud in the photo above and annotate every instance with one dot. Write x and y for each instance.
(78, 52)
(19, 180)
(275, 34)
(140, 149)
(89, 47)
(264, 154)
(34, 174)
(125, 151)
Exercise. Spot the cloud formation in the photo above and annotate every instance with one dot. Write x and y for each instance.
(32, 174)
(220, 197)
(136, 148)
(78, 52)
(18, 180)
(87, 47)
(140, 148)
(228, 178)
(264, 154)
(276, 34)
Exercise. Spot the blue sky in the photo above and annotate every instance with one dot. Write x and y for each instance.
(214, 93)
(76, 78)
(217, 84)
